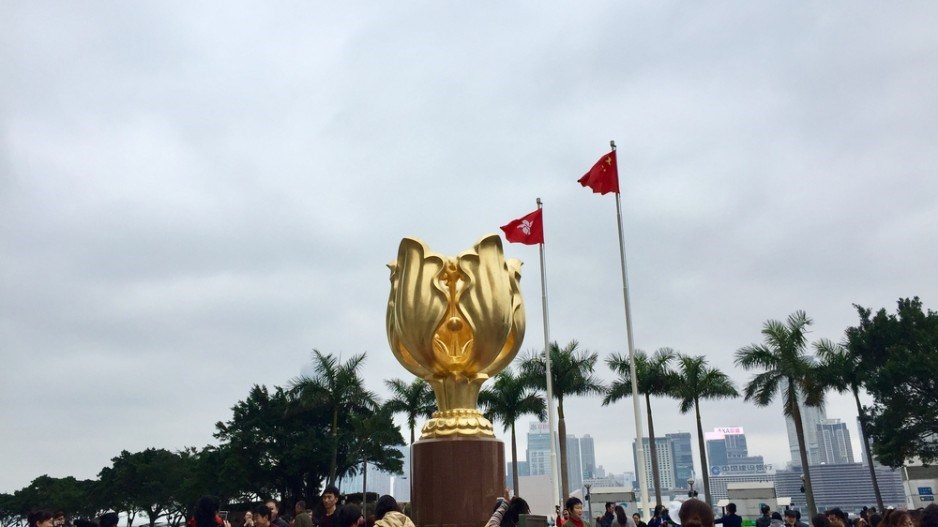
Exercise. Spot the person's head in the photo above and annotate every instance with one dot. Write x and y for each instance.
(248, 518)
(790, 517)
(349, 515)
(274, 507)
(636, 517)
(621, 518)
(900, 519)
(330, 498)
(516, 507)
(776, 516)
(385, 505)
(875, 519)
(820, 520)
(609, 506)
(837, 517)
(695, 513)
(58, 519)
(930, 516)
(731, 508)
(108, 519)
(765, 509)
(299, 507)
(205, 510)
(575, 507)
(262, 516)
(39, 519)
(658, 509)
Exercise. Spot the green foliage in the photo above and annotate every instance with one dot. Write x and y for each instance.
(72, 496)
(415, 400)
(786, 370)
(655, 378)
(147, 480)
(507, 400)
(898, 354)
(571, 372)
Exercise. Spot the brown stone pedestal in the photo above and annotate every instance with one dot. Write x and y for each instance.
(456, 481)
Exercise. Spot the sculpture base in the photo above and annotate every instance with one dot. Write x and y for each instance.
(456, 481)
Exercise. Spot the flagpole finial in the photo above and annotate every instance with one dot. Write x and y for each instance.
(612, 144)
(539, 202)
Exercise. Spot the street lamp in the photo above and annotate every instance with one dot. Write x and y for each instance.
(691, 493)
(589, 502)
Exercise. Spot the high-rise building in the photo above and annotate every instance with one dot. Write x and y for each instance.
(665, 461)
(574, 463)
(727, 451)
(588, 457)
(811, 416)
(834, 442)
(538, 451)
(683, 457)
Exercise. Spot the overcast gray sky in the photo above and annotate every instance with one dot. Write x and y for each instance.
(194, 196)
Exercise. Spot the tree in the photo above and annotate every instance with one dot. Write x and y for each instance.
(655, 378)
(571, 374)
(338, 389)
(840, 370)
(69, 495)
(695, 381)
(789, 372)
(415, 400)
(899, 352)
(507, 400)
(371, 436)
(148, 480)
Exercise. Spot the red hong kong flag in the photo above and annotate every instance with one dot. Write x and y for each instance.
(604, 176)
(528, 230)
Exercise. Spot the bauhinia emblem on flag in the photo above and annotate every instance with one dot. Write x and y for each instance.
(604, 176)
(528, 230)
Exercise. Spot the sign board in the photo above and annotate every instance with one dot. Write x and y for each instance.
(927, 498)
(925, 491)
(741, 468)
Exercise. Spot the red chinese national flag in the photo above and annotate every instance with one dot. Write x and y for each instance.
(528, 230)
(604, 176)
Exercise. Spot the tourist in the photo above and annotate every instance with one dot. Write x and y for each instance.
(262, 516)
(275, 518)
(897, 518)
(637, 518)
(606, 520)
(330, 503)
(930, 516)
(206, 513)
(656, 519)
(776, 520)
(730, 518)
(302, 518)
(508, 511)
(574, 508)
(58, 519)
(837, 517)
(108, 519)
(248, 519)
(621, 518)
(39, 519)
(388, 513)
(766, 519)
(348, 515)
(695, 513)
(820, 520)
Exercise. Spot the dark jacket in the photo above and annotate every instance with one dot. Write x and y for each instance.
(730, 520)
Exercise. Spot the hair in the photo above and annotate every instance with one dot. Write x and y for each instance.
(571, 503)
(731, 507)
(385, 505)
(261, 510)
(897, 517)
(764, 508)
(80, 522)
(776, 516)
(331, 489)
(347, 515)
(36, 517)
(695, 513)
(516, 507)
(108, 519)
(621, 518)
(791, 512)
(205, 511)
(658, 509)
(301, 504)
(930, 516)
(58, 514)
(275, 502)
(609, 504)
(838, 513)
(820, 520)
(797, 514)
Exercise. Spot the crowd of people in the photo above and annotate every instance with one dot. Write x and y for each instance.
(507, 513)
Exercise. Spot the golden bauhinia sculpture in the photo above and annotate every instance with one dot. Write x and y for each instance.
(455, 322)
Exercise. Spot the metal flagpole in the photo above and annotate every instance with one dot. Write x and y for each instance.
(639, 430)
(550, 384)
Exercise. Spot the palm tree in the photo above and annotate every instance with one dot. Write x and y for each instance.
(571, 372)
(655, 378)
(507, 400)
(840, 370)
(696, 381)
(336, 388)
(788, 372)
(415, 400)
